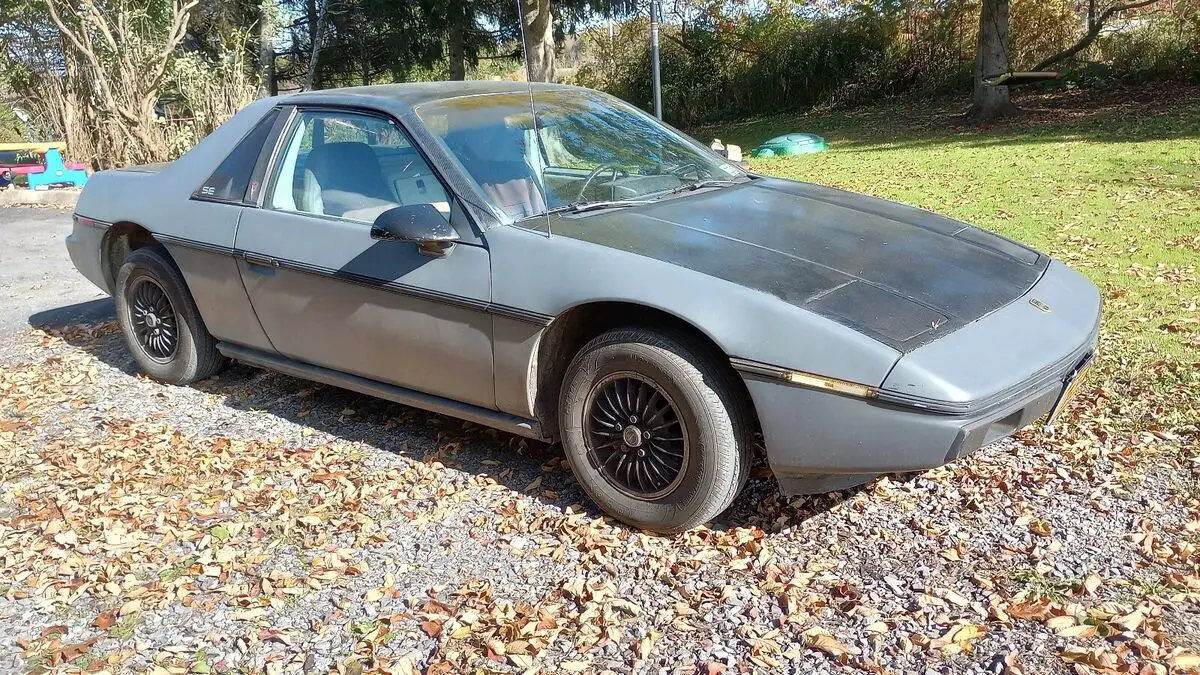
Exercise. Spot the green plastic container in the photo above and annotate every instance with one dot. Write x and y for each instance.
(790, 144)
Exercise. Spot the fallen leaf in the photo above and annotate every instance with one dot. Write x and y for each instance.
(68, 538)
(827, 644)
(1079, 631)
(53, 630)
(105, 620)
(1059, 622)
(1130, 621)
(249, 614)
(1186, 661)
(968, 632)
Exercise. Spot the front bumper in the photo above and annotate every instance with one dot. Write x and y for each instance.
(810, 433)
(975, 386)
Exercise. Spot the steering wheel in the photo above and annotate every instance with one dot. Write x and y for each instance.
(677, 170)
(616, 170)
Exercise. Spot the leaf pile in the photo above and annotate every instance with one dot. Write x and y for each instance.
(113, 522)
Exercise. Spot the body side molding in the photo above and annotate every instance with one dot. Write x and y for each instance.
(492, 418)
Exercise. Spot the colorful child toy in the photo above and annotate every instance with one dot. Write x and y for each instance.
(42, 164)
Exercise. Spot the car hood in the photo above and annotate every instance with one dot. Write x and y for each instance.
(901, 275)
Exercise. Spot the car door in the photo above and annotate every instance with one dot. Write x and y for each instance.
(329, 294)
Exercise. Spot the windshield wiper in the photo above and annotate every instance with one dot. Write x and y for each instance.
(581, 207)
(701, 184)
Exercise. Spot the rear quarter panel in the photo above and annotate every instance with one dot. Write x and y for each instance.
(199, 235)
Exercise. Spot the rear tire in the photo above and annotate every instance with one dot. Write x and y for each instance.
(162, 327)
(655, 428)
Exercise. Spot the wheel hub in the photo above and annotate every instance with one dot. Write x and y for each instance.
(634, 436)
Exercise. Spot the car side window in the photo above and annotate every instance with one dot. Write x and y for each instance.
(229, 182)
(352, 166)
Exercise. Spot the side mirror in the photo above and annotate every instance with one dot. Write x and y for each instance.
(420, 224)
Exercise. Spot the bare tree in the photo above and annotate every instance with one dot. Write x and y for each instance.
(268, 26)
(456, 18)
(537, 33)
(992, 100)
(1095, 23)
(116, 60)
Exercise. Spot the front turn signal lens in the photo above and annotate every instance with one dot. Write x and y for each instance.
(830, 384)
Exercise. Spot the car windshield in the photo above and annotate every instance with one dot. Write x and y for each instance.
(594, 149)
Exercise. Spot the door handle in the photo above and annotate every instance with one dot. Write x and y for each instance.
(260, 260)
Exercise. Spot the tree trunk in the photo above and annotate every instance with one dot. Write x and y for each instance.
(991, 59)
(457, 17)
(537, 32)
(266, 49)
(364, 59)
(313, 80)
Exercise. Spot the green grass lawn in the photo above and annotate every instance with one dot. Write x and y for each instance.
(1109, 184)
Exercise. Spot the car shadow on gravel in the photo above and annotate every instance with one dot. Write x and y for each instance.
(522, 465)
(93, 311)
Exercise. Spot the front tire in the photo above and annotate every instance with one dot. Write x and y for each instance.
(655, 428)
(162, 327)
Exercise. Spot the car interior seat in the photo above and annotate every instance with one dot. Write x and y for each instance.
(344, 179)
(415, 183)
(496, 159)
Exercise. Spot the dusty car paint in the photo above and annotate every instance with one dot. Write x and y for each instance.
(930, 315)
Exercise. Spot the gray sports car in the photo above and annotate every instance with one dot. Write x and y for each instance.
(555, 263)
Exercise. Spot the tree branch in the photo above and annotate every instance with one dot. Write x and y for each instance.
(735, 47)
(1094, 28)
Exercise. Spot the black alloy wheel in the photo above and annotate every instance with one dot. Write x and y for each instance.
(153, 319)
(634, 435)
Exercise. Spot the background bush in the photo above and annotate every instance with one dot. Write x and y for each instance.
(720, 67)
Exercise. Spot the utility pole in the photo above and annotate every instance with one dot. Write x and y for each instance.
(654, 17)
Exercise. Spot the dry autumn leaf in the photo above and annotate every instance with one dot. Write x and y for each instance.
(1059, 622)
(1130, 621)
(1079, 631)
(248, 614)
(1035, 610)
(828, 645)
(105, 620)
(1186, 661)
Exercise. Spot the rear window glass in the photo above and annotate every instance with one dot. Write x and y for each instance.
(228, 183)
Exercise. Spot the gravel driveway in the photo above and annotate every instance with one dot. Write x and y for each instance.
(256, 522)
(37, 276)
